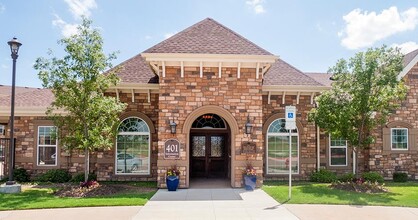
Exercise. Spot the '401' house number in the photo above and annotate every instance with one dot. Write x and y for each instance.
(172, 149)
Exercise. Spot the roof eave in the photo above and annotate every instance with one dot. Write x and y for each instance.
(408, 67)
(294, 88)
(209, 57)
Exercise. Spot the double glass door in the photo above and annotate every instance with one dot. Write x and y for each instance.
(208, 155)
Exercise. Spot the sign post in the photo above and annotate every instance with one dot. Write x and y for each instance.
(290, 112)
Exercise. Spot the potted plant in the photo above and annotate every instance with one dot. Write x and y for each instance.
(172, 178)
(250, 177)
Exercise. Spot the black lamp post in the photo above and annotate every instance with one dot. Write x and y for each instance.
(14, 48)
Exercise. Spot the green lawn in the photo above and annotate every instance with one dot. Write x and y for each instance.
(37, 198)
(400, 194)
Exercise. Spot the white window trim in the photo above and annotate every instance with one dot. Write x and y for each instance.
(407, 139)
(38, 146)
(293, 134)
(336, 147)
(149, 150)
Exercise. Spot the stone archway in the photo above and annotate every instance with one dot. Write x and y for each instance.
(227, 116)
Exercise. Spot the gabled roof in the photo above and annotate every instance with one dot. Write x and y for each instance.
(283, 74)
(323, 78)
(409, 57)
(208, 37)
(136, 70)
(409, 61)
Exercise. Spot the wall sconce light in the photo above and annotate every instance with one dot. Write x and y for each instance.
(248, 126)
(173, 126)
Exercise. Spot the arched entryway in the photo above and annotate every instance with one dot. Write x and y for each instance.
(228, 133)
(210, 150)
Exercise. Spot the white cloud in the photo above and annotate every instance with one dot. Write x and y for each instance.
(256, 5)
(81, 7)
(363, 29)
(148, 37)
(2, 8)
(406, 47)
(168, 35)
(66, 29)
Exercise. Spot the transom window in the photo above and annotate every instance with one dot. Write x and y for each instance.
(47, 146)
(338, 151)
(399, 138)
(209, 121)
(278, 148)
(133, 147)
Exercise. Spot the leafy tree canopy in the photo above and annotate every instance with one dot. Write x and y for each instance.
(364, 91)
(78, 83)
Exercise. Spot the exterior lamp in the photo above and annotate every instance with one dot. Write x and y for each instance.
(248, 126)
(14, 49)
(173, 126)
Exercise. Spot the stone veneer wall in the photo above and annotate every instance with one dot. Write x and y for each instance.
(101, 162)
(240, 97)
(382, 158)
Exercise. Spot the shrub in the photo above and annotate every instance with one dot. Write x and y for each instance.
(323, 176)
(400, 177)
(372, 177)
(55, 176)
(348, 177)
(21, 175)
(79, 177)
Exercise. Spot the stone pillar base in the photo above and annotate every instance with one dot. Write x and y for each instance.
(9, 189)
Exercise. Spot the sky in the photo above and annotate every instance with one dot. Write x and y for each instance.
(310, 35)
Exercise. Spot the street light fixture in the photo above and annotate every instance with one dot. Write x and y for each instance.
(14, 49)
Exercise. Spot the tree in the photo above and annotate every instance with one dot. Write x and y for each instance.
(365, 90)
(89, 119)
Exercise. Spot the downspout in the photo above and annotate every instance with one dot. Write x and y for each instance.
(318, 149)
(354, 161)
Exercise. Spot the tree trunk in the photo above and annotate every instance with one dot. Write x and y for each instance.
(87, 164)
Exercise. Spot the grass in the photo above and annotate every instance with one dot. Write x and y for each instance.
(39, 198)
(400, 194)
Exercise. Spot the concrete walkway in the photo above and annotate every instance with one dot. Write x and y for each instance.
(226, 203)
(217, 204)
(347, 212)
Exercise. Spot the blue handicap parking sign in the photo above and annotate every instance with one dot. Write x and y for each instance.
(290, 115)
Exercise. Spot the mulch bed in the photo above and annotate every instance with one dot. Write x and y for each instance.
(74, 190)
(359, 187)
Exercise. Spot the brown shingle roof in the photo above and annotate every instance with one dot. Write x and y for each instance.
(7, 90)
(136, 70)
(282, 74)
(409, 57)
(323, 78)
(208, 37)
(41, 98)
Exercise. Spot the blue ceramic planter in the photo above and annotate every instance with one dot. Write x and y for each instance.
(172, 183)
(250, 182)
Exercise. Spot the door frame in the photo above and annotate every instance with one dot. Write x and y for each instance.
(227, 149)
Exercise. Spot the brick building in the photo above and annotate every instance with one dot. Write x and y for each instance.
(212, 83)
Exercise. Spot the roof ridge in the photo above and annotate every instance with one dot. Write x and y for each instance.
(175, 36)
(207, 36)
(236, 34)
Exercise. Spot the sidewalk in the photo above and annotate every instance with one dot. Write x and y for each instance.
(348, 212)
(226, 203)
